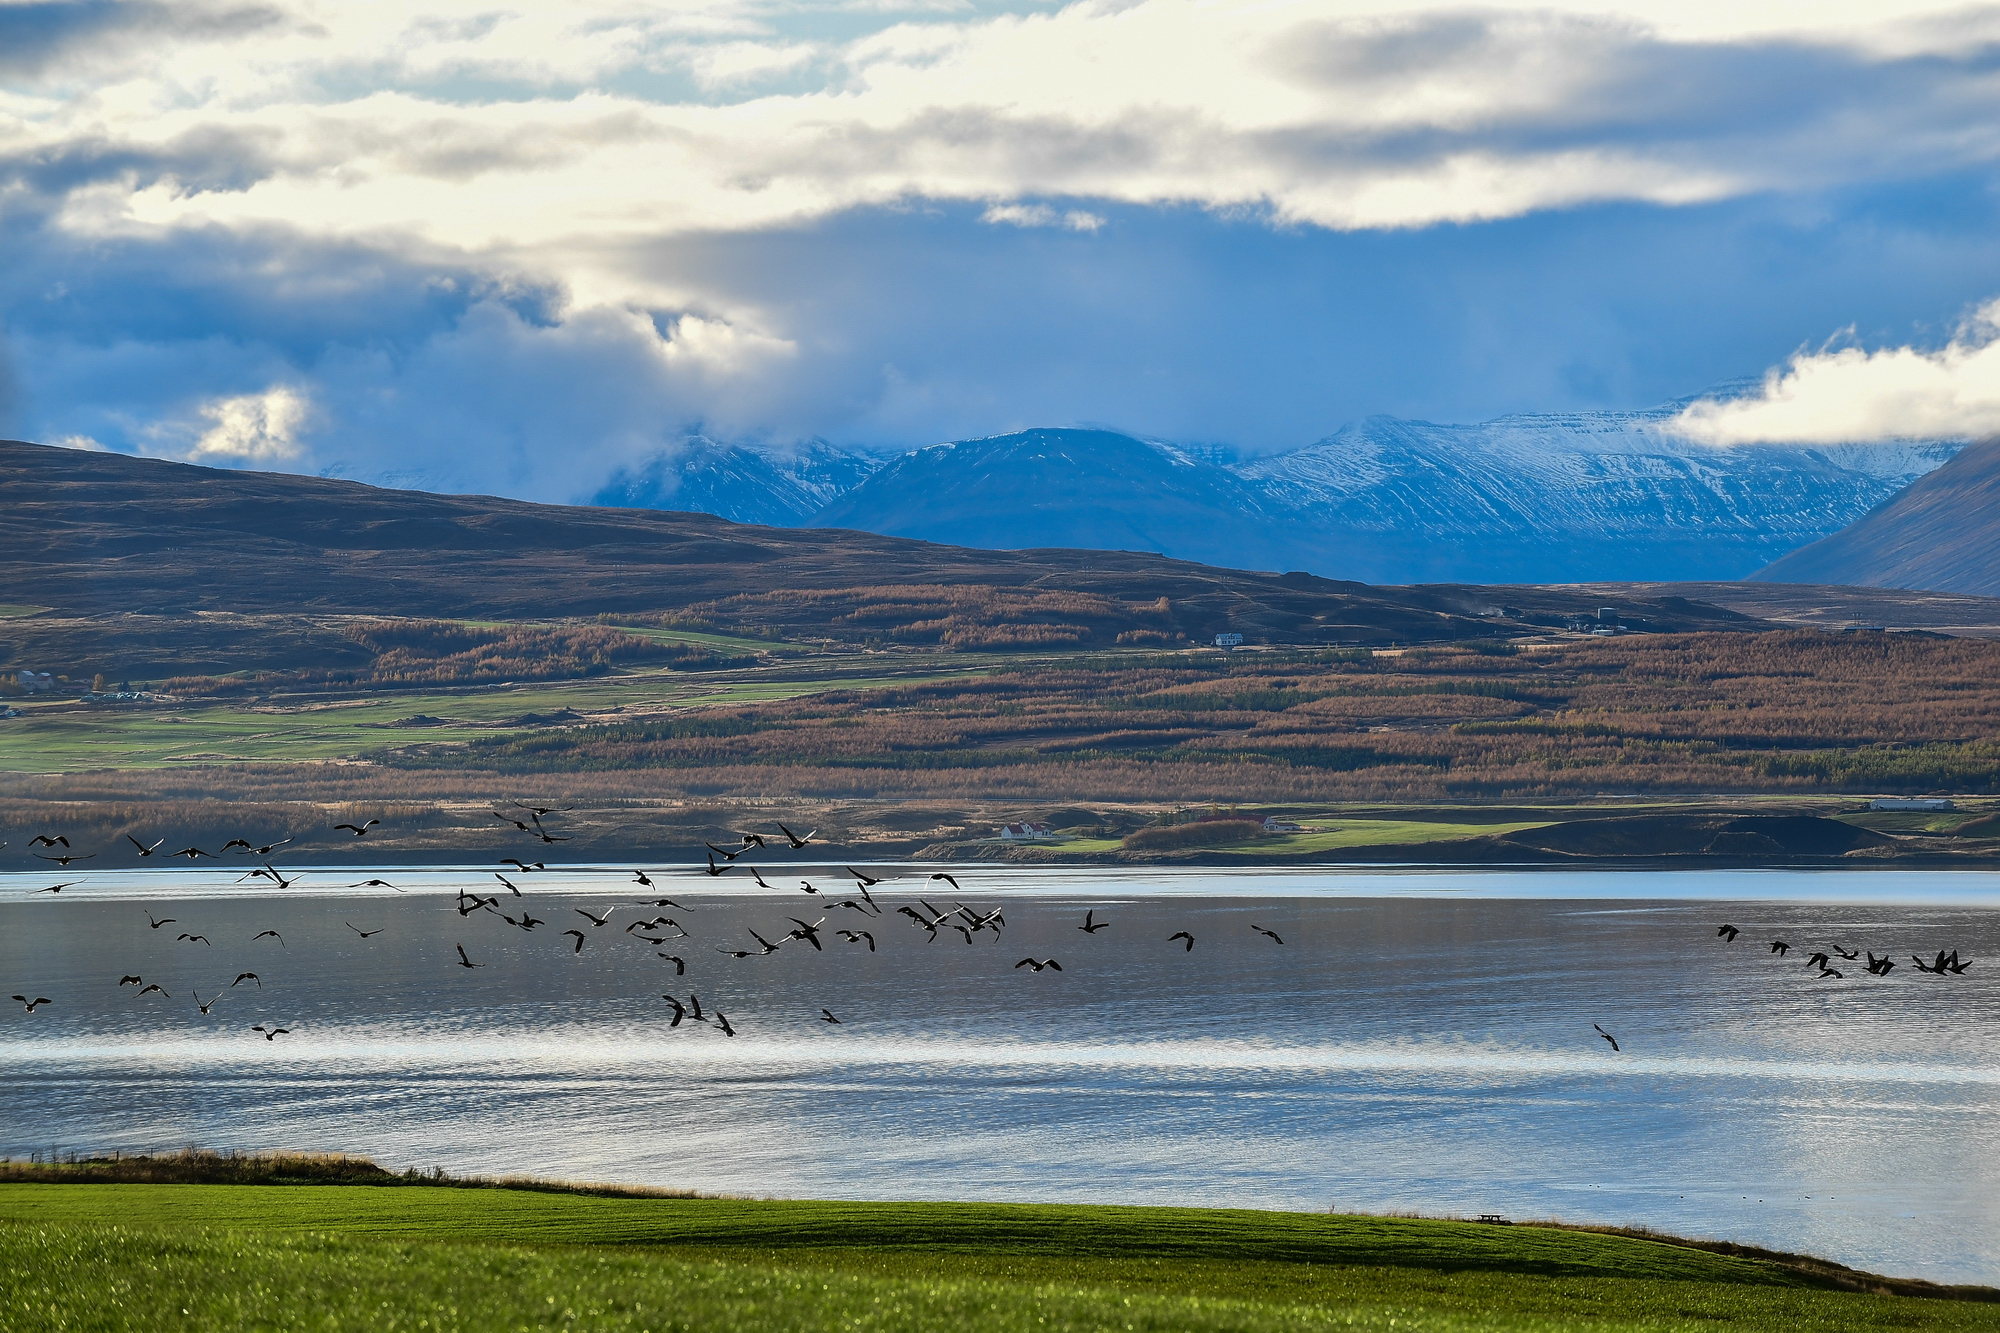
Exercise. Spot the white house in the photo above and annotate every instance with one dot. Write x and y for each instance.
(1229, 640)
(1912, 803)
(1273, 824)
(34, 684)
(1026, 832)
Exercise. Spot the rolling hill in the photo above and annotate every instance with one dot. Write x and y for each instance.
(1942, 534)
(132, 549)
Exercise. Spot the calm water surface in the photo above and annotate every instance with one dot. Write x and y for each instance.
(1419, 1041)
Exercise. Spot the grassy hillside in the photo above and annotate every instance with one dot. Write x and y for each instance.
(226, 1257)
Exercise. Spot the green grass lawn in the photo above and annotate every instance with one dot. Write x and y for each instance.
(412, 1257)
(1334, 834)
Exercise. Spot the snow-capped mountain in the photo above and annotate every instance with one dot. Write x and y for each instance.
(783, 488)
(1573, 497)
(1542, 498)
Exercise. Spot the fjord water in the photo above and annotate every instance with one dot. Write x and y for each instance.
(1419, 1041)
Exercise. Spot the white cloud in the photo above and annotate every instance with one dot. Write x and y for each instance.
(253, 427)
(1850, 395)
(1041, 215)
(524, 131)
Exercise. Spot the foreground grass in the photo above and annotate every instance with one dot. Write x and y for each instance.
(338, 1257)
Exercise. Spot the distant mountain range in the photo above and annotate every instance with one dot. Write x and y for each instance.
(1588, 496)
(1943, 534)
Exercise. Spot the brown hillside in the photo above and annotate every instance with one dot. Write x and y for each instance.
(1943, 533)
(97, 536)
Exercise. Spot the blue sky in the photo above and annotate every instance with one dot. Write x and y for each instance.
(470, 247)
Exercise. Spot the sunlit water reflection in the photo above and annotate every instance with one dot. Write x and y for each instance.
(1419, 1041)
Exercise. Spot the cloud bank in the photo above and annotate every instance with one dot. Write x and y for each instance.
(1853, 395)
(516, 249)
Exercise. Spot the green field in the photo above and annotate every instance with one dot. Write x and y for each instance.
(63, 738)
(108, 1256)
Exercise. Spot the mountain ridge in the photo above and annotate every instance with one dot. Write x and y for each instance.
(1527, 498)
(1940, 534)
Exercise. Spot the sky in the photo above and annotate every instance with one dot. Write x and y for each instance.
(476, 246)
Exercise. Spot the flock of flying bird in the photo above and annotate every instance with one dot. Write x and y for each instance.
(934, 922)
(1945, 964)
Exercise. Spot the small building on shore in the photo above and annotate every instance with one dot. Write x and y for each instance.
(1026, 832)
(1912, 803)
(1273, 824)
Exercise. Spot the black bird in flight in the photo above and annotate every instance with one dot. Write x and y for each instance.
(680, 963)
(864, 880)
(754, 840)
(796, 841)
(856, 936)
(809, 932)
(947, 879)
(192, 853)
(826, 1016)
(664, 902)
(520, 824)
(44, 840)
(463, 961)
(849, 902)
(722, 1021)
(144, 850)
(579, 937)
(735, 953)
(249, 850)
(714, 869)
(694, 1007)
(727, 856)
(202, 938)
(163, 921)
(1182, 935)
(1825, 972)
(1849, 954)
(131, 981)
(272, 934)
(768, 946)
(1607, 1036)
(270, 1033)
(476, 901)
(545, 835)
(1779, 947)
(58, 888)
(1882, 966)
(156, 986)
(364, 934)
(805, 886)
(32, 1003)
(1819, 960)
(1090, 926)
(65, 858)
(374, 884)
(359, 830)
(593, 919)
(1728, 932)
(540, 810)
(523, 866)
(680, 1010)
(242, 977)
(759, 878)
(204, 1007)
(508, 882)
(1049, 963)
(639, 877)
(528, 920)
(1261, 931)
